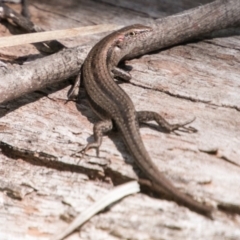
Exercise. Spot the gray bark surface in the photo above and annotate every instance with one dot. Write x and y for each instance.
(44, 183)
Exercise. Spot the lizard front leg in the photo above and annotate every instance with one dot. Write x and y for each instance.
(99, 129)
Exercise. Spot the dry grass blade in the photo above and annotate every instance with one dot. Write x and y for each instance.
(116, 194)
(56, 34)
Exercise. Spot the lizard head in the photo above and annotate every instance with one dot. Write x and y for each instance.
(131, 34)
(128, 42)
(131, 40)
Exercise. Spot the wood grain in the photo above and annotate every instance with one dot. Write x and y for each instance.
(44, 183)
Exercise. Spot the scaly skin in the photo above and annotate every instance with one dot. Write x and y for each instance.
(115, 107)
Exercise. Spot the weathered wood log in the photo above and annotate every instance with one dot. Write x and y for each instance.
(44, 183)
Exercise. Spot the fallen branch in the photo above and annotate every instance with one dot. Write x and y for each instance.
(19, 80)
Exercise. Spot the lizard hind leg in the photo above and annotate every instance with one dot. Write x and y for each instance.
(99, 129)
(145, 116)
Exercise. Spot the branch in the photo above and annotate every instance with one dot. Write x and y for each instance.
(188, 25)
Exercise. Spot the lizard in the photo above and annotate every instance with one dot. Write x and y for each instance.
(115, 108)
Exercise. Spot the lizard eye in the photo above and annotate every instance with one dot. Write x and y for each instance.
(130, 34)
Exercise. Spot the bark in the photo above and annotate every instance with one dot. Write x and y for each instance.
(44, 183)
(169, 31)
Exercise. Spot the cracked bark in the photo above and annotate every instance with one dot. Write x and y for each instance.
(44, 183)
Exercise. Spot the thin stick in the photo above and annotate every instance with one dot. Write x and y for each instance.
(116, 194)
(57, 34)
